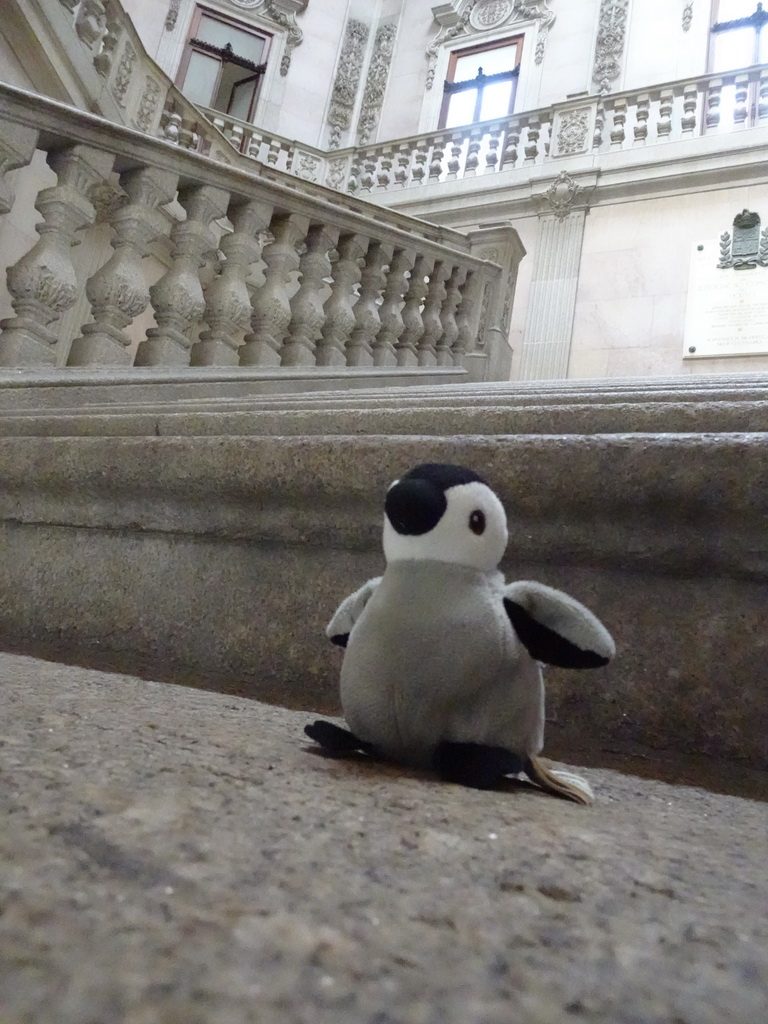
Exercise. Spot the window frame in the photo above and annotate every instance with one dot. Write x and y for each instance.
(192, 45)
(715, 29)
(451, 87)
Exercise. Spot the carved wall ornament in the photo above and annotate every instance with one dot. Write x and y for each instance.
(611, 35)
(562, 195)
(464, 17)
(573, 131)
(173, 15)
(347, 79)
(148, 104)
(687, 14)
(336, 174)
(376, 81)
(286, 20)
(124, 72)
(91, 21)
(307, 167)
(489, 13)
(747, 246)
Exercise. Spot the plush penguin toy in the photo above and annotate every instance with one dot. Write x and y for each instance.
(442, 660)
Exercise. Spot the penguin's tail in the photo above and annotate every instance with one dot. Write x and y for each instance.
(559, 782)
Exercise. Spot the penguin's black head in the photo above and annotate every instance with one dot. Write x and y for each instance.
(444, 513)
(416, 502)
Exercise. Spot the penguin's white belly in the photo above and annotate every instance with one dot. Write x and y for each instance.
(434, 658)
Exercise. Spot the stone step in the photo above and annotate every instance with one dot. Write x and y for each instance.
(173, 855)
(218, 561)
(411, 419)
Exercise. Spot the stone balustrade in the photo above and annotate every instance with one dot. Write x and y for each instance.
(583, 126)
(252, 267)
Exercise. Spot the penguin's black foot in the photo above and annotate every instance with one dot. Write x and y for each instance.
(334, 738)
(474, 765)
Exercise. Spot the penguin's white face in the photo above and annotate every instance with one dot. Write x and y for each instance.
(471, 531)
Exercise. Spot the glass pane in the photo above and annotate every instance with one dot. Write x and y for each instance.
(501, 58)
(734, 49)
(242, 96)
(495, 101)
(461, 109)
(218, 33)
(201, 78)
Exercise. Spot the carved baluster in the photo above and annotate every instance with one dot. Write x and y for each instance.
(228, 302)
(17, 147)
(532, 145)
(254, 146)
(492, 156)
(450, 332)
(465, 316)
(438, 155)
(177, 298)
(307, 313)
(339, 313)
(237, 136)
(69, 5)
(419, 161)
(618, 133)
(119, 292)
(713, 104)
(664, 124)
(384, 176)
(740, 104)
(690, 103)
(273, 153)
(642, 112)
(454, 161)
(367, 319)
(390, 314)
(433, 326)
(355, 170)
(509, 156)
(473, 149)
(413, 325)
(271, 314)
(172, 128)
(91, 22)
(597, 138)
(403, 160)
(43, 283)
(104, 60)
(762, 103)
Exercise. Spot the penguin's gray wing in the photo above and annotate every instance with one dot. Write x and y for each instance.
(555, 628)
(348, 612)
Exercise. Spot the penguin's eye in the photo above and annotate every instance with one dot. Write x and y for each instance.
(477, 522)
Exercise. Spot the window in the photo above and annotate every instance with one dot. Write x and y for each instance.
(481, 83)
(739, 35)
(223, 65)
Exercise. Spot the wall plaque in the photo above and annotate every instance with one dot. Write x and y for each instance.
(727, 309)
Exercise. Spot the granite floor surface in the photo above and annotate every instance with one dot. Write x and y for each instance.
(172, 856)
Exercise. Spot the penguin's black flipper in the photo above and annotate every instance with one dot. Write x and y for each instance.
(555, 628)
(334, 738)
(474, 765)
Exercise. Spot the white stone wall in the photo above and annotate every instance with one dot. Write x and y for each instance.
(633, 283)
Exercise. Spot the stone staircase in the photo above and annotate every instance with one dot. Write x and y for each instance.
(205, 538)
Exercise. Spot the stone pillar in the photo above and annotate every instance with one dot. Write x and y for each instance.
(552, 296)
(488, 353)
(43, 284)
(118, 292)
(177, 297)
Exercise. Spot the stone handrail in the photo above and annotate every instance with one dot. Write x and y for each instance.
(582, 126)
(276, 271)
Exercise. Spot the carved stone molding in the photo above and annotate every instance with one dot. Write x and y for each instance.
(283, 13)
(687, 14)
(573, 130)
(563, 195)
(376, 81)
(347, 79)
(611, 35)
(145, 118)
(173, 15)
(466, 17)
(124, 73)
